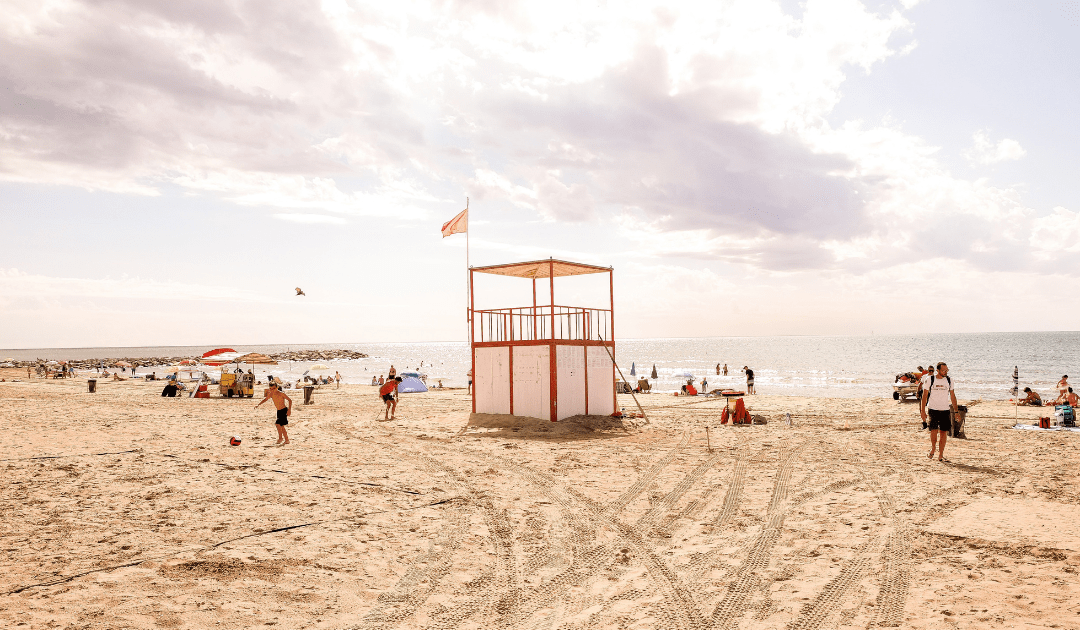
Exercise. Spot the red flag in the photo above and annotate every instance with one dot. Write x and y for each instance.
(458, 224)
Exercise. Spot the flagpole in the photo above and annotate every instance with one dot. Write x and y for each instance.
(468, 289)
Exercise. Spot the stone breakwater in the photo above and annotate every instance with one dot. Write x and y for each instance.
(293, 355)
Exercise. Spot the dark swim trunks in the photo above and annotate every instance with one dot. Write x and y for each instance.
(940, 419)
(387, 397)
(282, 416)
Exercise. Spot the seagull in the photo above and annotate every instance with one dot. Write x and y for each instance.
(300, 291)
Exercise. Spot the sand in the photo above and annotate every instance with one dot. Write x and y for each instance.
(121, 509)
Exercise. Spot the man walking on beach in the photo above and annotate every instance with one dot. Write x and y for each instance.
(939, 401)
(389, 396)
(282, 413)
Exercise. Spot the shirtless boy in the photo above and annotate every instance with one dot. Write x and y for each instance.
(282, 413)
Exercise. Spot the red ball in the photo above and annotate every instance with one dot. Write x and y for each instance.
(235, 440)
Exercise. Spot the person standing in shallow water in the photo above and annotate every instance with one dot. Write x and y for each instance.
(749, 380)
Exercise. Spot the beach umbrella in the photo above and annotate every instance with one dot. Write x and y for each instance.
(633, 372)
(219, 356)
(122, 364)
(654, 370)
(1016, 391)
(319, 367)
(255, 357)
(172, 369)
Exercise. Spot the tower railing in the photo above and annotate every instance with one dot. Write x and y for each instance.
(535, 323)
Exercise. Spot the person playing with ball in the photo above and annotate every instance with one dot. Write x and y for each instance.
(282, 413)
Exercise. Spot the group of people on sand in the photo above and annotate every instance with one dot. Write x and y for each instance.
(690, 390)
(1066, 396)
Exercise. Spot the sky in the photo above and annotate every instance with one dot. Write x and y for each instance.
(169, 172)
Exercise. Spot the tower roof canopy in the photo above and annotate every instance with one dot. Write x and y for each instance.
(542, 269)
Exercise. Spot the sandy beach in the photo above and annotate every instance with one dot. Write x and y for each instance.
(122, 509)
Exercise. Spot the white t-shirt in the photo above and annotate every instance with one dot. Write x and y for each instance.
(939, 400)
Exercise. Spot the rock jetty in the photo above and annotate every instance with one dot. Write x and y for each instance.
(292, 355)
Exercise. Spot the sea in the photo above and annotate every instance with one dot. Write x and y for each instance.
(980, 364)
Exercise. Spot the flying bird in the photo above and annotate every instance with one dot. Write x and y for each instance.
(300, 291)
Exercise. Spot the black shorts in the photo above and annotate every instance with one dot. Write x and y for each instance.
(282, 417)
(387, 397)
(940, 419)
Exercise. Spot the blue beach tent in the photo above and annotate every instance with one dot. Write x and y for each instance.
(411, 385)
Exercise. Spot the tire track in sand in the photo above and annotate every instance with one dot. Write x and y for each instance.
(419, 581)
(601, 558)
(586, 559)
(503, 594)
(648, 520)
(816, 613)
(677, 608)
(896, 572)
(747, 579)
(645, 479)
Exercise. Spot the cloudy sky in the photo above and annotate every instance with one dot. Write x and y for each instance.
(169, 171)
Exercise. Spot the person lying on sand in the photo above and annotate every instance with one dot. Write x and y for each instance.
(1032, 399)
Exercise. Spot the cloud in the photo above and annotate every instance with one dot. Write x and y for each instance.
(36, 287)
(1056, 233)
(985, 151)
(309, 218)
(699, 125)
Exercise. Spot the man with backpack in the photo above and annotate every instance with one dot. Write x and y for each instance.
(938, 402)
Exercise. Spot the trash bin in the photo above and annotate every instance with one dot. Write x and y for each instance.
(91, 385)
(309, 394)
(958, 418)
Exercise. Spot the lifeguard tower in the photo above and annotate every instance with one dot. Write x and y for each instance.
(543, 361)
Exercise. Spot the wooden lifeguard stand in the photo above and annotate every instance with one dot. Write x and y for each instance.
(547, 361)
